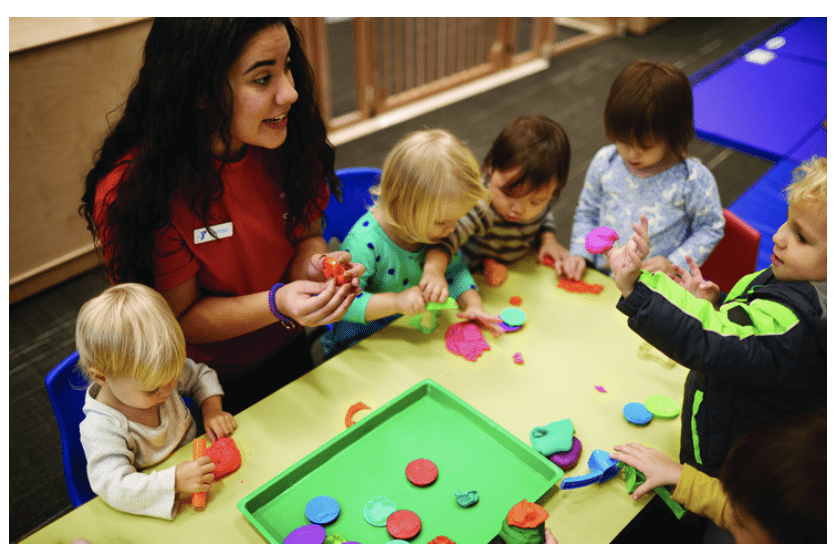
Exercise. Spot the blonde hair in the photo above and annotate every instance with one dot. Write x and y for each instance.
(810, 182)
(129, 330)
(425, 172)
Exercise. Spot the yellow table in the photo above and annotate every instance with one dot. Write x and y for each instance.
(570, 343)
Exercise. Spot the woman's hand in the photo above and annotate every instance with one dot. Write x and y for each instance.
(194, 476)
(312, 304)
(657, 467)
(352, 274)
(694, 283)
(216, 421)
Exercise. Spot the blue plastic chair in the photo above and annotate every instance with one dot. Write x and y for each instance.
(66, 387)
(356, 200)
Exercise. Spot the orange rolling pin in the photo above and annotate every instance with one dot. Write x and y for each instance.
(199, 450)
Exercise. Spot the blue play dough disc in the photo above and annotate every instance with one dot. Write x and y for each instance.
(322, 509)
(637, 413)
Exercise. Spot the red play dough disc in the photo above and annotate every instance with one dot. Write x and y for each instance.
(421, 472)
(403, 524)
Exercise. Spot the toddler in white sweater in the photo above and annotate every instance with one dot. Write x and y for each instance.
(133, 351)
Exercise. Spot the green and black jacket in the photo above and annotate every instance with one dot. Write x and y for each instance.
(760, 357)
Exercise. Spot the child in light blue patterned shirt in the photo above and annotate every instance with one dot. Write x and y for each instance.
(649, 117)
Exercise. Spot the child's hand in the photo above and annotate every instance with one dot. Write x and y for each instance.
(550, 247)
(216, 422)
(572, 267)
(694, 283)
(654, 264)
(625, 262)
(434, 287)
(410, 301)
(657, 467)
(490, 322)
(550, 537)
(194, 476)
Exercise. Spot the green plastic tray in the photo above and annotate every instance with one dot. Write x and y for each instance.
(370, 458)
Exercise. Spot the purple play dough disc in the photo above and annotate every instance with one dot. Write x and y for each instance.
(307, 534)
(568, 460)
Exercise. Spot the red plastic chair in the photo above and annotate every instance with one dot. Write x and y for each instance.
(735, 255)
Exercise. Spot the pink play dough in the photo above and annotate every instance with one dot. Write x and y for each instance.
(600, 239)
(466, 339)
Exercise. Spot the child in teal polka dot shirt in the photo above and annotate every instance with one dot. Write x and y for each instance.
(429, 180)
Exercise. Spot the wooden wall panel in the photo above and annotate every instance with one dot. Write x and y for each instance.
(59, 98)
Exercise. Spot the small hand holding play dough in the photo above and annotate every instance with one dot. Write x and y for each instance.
(226, 456)
(600, 239)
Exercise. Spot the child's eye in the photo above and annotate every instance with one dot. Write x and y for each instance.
(801, 238)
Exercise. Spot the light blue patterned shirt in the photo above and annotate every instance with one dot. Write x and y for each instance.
(681, 204)
(389, 268)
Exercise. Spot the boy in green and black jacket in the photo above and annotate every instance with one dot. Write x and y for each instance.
(755, 355)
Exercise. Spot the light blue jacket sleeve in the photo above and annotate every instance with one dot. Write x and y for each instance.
(702, 202)
(587, 213)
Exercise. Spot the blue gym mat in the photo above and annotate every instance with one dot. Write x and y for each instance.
(816, 145)
(762, 110)
(806, 40)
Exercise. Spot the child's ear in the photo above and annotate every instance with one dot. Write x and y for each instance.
(97, 377)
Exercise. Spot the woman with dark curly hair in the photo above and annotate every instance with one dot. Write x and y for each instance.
(211, 189)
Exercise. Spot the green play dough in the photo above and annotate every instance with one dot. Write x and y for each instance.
(466, 499)
(512, 534)
(555, 437)
(663, 406)
(334, 538)
(449, 304)
(512, 316)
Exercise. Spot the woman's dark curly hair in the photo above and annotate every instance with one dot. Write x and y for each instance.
(179, 106)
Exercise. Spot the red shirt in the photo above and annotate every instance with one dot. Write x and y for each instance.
(252, 259)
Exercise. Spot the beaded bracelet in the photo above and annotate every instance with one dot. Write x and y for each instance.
(271, 301)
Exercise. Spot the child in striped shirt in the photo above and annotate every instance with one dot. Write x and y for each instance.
(524, 171)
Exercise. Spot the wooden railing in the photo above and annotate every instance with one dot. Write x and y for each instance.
(401, 60)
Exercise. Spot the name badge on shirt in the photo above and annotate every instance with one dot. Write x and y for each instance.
(222, 230)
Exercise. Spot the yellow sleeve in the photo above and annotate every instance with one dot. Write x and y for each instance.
(703, 495)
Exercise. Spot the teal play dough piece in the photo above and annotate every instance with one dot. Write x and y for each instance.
(636, 413)
(466, 499)
(322, 509)
(662, 406)
(555, 437)
(378, 510)
(512, 316)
